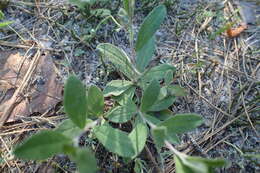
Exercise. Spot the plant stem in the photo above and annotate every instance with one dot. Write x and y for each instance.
(166, 142)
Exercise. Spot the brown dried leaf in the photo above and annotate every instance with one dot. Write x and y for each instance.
(42, 93)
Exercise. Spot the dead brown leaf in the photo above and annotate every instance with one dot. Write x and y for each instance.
(41, 93)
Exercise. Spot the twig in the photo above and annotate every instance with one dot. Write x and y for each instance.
(17, 45)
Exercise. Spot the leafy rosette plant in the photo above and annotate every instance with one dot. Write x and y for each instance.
(142, 100)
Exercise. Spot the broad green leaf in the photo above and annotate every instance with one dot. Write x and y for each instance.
(145, 54)
(4, 24)
(210, 163)
(138, 137)
(100, 12)
(150, 25)
(115, 140)
(159, 135)
(85, 160)
(176, 90)
(75, 101)
(190, 164)
(150, 95)
(69, 129)
(173, 138)
(163, 114)
(118, 58)
(122, 114)
(126, 97)
(69, 150)
(116, 87)
(41, 146)
(181, 123)
(163, 93)
(152, 119)
(168, 77)
(123, 17)
(158, 72)
(163, 104)
(180, 167)
(95, 100)
(129, 7)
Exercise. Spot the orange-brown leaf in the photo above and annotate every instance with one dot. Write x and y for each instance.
(231, 33)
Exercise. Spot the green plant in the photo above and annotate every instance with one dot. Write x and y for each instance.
(142, 101)
(6, 23)
(88, 9)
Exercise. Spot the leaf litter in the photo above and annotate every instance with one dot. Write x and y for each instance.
(41, 93)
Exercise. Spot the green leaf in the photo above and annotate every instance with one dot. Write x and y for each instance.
(118, 58)
(158, 72)
(115, 140)
(95, 100)
(180, 167)
(181, 123)
(4, 24)
(150, 95)
(79, 3)
(41, 146)
(210, 163)
(69, 149)
(75, 102)
(176, 90)
(123, 17)
(101, 12)
(116, 87)
(168, 77)
(2, 15)
(190, 164)
(151, 23)
(145, 54)
(252, 156)
(85, 160)
(129, 7)
(139, 166)
(159, 135)
(122, 114)
(173, 138)
(69, 129)
(163, 114)
(138, 137)
(163, 93)
(163, 104)
(152, 119)
(126, 97)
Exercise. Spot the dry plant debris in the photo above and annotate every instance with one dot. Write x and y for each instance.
(28, 86)
(231, 33)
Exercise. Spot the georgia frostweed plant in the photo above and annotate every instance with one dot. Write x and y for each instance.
(148, 113)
